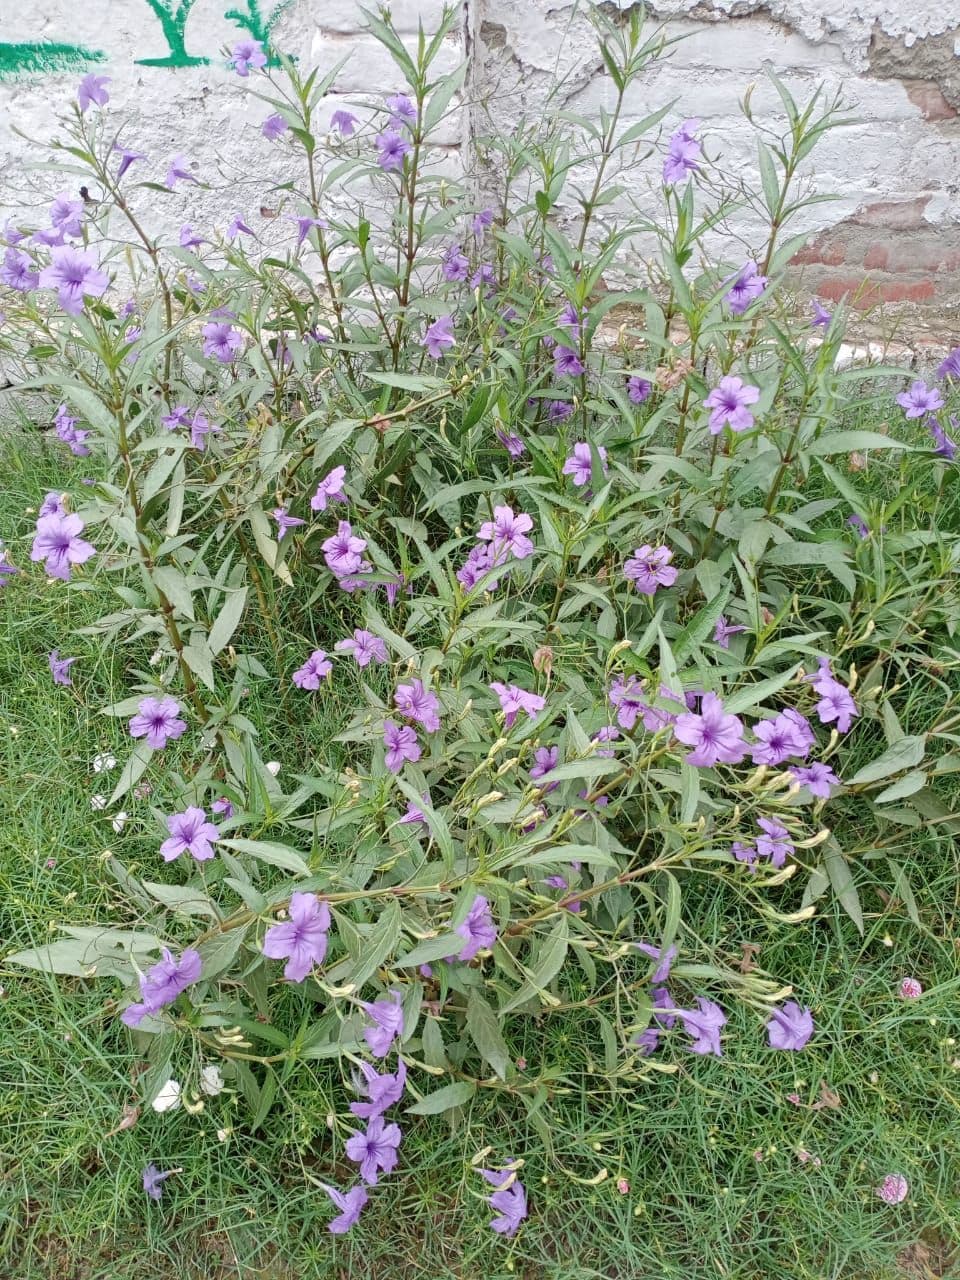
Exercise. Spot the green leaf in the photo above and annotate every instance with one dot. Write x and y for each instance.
(375, 946)
(485, 1031)
(752, 695)
(549, 961)
(219, 952)
(445, 944)
(841, 881)
(277, 855)
(908, 785)
(850, 441)
(901, 886)
(227, 620)
(132, 771)
(903, 754)
(175, 587)
(445, 1099)
(198, 658)
(181, 899)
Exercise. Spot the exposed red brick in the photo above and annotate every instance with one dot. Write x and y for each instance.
(926, 95)
(863, 293)
(895, 215)
(876, 257)
(825, 251)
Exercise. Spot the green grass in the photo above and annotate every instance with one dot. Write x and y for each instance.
(710, 1151)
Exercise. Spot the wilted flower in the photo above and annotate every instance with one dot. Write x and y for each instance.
(344, 122)
(704, 1023)
(910, 989)
(301, 940)
(330, 489)
(168, 1099)
(349, 1203)
(211, 1081)
(513, 444)
(510, 1204)
(790, 1027)
(382, 1090)
(729, 402)
(894, 1189)
(153, 1181)
(664, 957)
(60, 667)
(285, 522)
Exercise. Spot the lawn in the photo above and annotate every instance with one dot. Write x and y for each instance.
(754, 1165)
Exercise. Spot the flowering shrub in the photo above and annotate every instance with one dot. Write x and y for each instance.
(569, 573)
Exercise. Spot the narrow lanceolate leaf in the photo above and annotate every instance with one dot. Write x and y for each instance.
(546, 964)
(445, 1099)
(485, 1032)
(375, 947)
(903, 754)
(227, 620)
(841, 881)
(277, 855)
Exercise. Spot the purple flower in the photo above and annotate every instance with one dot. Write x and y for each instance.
(413, 811)
(950, 368)
(221, 341)
(189, 239)
(59, 667)
(580, 463)
(365, 647)
(392, 148)
(344, 122)
(301, 940)
(920, 400)
(786, 735)
(306, 225)
(374, 1150)
(683, 153)
(316, 668)
(894, 1189)
(483, 275)
(455, 266)
(477, 930)
(729, 403)
(382, 1090)
(17, 271)
(821, 316)
(790, 1027)
(545, 759)
(478, 563)
(859, 524)
(414, 702)
(513, 444)
(817, 778)
(65, 214)
(161, 985)
(513, 700)
(558, 410)
(59, 545)
(190, 832)
(158, 720)
(349, 1203)
(748, 285)
(285, 522)
(704, 1025)
(50, 236)
(178, 172)
(239, 227)
(775, 843)
(714, 735)
(66, 428)
(571, 319)
(638, 389)
(510, 1204)
(664, 957)
(342, 551)
(7, 570)
(200, 428)
(153, 1181)
(649, 568)
(835, 702)
(402, 110)
(73, 273)
(52, 505)
(387, 1024)
(274, 127)
(224, 806)
(247, 55)
(566, 362)
(744, 852)
(330, 489)
(481, 221)
(507, 531)
(401, 745)
(723, 631)
(626, 697)
(91, 91)
(439, 336)
(945, 447)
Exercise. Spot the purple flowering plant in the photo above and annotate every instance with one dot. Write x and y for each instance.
(493, 569)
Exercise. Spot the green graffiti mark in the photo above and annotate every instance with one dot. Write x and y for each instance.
(44, 58)
(256, 24)
(172, 16)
